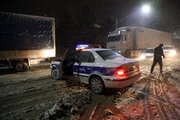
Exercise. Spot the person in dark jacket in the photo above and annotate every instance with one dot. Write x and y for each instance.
(158, 54)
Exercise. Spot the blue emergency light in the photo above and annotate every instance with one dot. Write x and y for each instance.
(82, 46)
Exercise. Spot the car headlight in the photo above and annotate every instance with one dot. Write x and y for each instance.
(172, 53)
(142, 57)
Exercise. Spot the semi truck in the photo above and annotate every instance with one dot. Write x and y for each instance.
(131, 41)
(24, 39)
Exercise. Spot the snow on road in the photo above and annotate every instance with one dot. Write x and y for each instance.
(35, 95)
(155, 96)
(25, 95)
(10, 83)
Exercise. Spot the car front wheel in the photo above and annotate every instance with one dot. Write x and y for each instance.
(55, 73)
(96, 85)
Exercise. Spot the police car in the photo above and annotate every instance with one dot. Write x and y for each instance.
(99, 68)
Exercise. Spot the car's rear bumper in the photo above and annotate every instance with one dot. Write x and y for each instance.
(120, 83)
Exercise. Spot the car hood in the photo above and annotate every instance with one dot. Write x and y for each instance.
(120, 62)
(148, 54)
(167, 51)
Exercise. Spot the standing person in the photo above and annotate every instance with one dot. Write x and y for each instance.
(158, 53)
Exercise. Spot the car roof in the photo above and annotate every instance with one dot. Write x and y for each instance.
(168, 46)
(149, 48)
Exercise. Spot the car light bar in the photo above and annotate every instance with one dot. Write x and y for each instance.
(82, 46)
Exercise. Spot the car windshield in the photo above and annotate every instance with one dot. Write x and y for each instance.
(149, 51)
(109, 54)
(168, 48)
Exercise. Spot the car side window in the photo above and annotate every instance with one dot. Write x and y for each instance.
(86, 57)
(91, 58)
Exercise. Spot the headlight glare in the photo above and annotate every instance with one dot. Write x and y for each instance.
(142, 57)
(172, 53)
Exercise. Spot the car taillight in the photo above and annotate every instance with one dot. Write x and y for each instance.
(138, 67)
(120, 72)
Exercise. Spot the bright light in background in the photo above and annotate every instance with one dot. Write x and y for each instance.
(146, 9)
(48, 53)
(172, 53)
(142, 57)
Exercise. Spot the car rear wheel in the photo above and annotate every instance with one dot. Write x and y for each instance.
(96, 85)
(55, 73)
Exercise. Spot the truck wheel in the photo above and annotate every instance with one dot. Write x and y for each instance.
(96, 85)
(55, 74)
(26, 66)
(21, 66)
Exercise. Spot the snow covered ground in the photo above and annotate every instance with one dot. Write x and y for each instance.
(35, 95)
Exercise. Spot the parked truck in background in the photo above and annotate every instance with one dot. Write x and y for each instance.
(131, 41)
(25, 38)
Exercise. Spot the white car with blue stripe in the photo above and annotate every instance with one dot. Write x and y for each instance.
(99, 68)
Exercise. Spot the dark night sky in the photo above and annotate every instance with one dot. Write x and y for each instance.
(75, 18)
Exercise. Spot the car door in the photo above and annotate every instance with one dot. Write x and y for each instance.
(83, 68)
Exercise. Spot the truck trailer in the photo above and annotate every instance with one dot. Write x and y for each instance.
(131, 41)
(25, 38)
